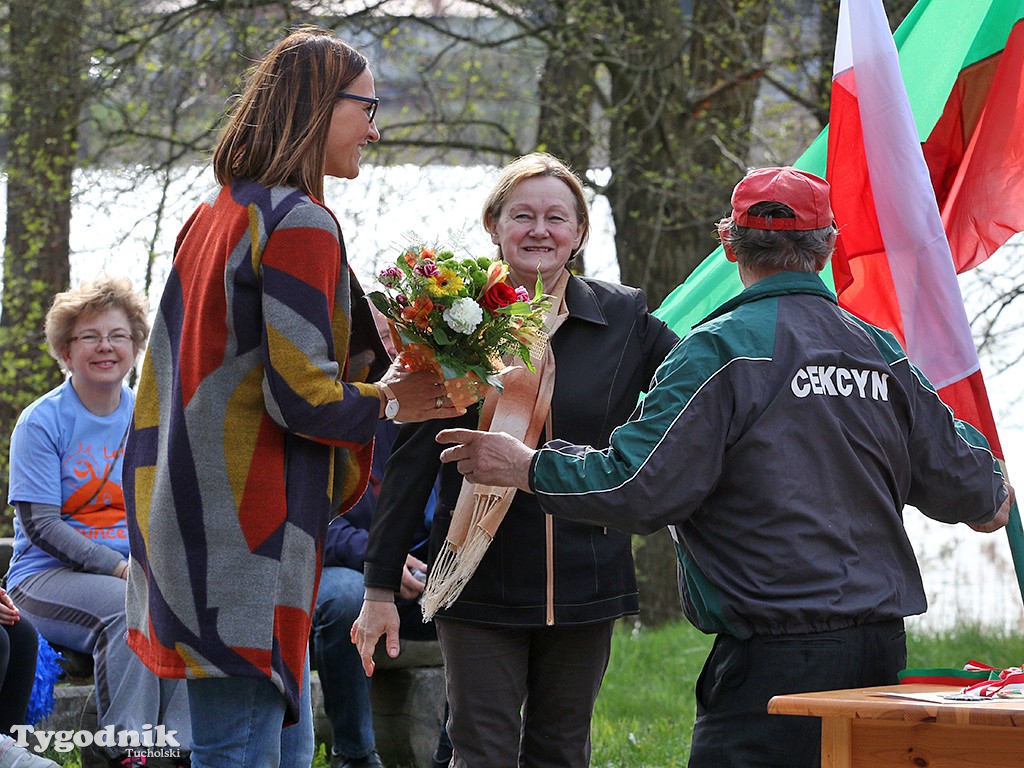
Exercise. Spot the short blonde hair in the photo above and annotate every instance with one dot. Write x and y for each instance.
(92, 297)
(528, 167)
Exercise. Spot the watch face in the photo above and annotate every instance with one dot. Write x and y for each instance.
(391, 409)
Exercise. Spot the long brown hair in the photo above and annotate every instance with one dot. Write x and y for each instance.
(277, 133)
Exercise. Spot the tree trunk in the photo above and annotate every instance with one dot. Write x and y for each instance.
(682, 98)
(46, 94)
(680, 134)
(656, 575)
(566, 91)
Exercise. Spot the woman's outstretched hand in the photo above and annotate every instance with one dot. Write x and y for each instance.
(421, 395)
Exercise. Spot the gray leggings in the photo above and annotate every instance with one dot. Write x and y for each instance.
(85, 612)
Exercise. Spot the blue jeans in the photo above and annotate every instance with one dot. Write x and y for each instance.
(346, 687)
(236, 723)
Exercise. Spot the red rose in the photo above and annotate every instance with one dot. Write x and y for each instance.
(499, 295)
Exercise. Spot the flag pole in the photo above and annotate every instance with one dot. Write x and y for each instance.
(1015, 537)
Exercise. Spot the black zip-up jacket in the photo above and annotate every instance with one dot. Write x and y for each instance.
(606, 352)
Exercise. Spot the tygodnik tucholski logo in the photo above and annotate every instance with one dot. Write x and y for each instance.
(150, 741)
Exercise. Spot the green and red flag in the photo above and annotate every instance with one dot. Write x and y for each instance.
(962, 65)
(925, 155)
(894, 266)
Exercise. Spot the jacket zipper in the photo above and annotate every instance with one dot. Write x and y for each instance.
(549, 548)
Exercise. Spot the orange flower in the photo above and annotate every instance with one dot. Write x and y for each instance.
(412, 258)
(418, 312)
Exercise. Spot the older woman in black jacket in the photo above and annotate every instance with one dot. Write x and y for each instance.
(527, 642)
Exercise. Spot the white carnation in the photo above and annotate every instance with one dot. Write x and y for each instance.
(464, 315)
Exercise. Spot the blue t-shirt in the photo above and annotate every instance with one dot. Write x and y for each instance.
(60, 452)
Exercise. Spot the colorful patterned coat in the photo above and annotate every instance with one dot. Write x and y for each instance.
(246, 433)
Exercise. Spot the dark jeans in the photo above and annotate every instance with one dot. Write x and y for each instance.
(18, 648)
(734, 729)
(522, 697)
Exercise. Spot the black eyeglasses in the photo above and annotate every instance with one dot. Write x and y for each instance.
(371, 111)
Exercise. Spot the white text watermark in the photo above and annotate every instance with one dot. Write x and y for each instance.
(149, 737)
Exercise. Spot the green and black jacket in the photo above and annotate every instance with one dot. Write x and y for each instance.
(780, 443)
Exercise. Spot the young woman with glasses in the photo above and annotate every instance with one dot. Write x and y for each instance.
(256, 411)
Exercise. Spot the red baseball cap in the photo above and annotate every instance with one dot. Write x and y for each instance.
(804, 192)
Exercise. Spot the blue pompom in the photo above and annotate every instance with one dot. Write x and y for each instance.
(48, 669)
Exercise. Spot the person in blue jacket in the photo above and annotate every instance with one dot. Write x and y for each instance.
(345, 687)
(780, 443)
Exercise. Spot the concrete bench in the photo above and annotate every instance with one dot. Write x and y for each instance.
(407, 695)
(408, 698)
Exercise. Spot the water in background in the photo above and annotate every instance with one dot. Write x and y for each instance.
(383, 210)
(968, 576)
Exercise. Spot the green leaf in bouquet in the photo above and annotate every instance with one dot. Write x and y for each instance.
(449, 368)
(441, 336)
(516, 308)
(381, 302)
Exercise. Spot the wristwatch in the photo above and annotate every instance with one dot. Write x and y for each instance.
(391, 406)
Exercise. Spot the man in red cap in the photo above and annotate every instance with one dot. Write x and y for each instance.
(779, 443)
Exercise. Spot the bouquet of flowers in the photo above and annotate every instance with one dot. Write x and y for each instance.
(460, 315)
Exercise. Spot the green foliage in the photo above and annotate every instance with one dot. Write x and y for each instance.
(645, 712)
(43, 46)
(954, 648)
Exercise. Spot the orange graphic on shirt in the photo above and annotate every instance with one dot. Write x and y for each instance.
(106, 510)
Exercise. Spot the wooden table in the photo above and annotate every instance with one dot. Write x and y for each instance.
(863, 727)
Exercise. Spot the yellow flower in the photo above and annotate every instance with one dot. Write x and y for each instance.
(448, 283)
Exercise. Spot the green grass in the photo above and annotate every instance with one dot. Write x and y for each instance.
(644, 715)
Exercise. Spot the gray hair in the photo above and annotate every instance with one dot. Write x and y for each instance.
(763, 250)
